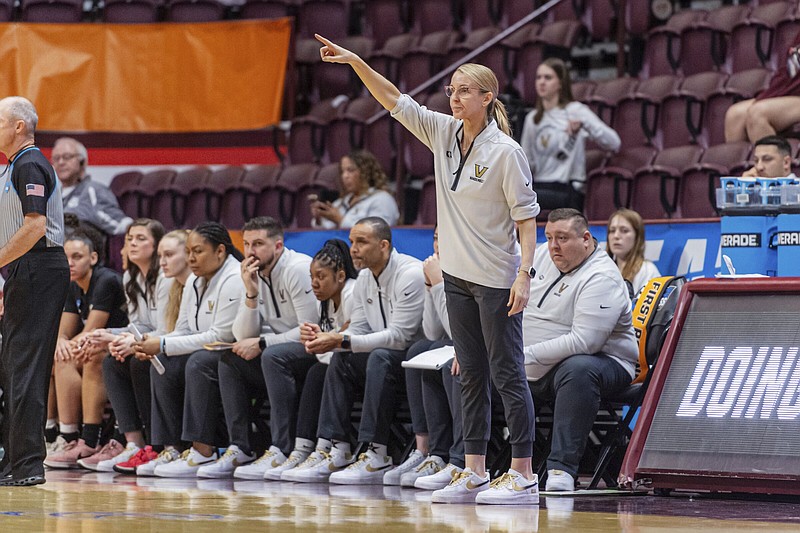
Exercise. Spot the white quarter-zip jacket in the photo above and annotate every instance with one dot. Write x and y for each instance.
(387, 310)
(207, 310)
(478, 198)
(337, 318)
(543, 141)
(149, 315)
(285, 300)
(585, 311)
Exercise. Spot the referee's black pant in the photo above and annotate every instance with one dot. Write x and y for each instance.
(34, 294)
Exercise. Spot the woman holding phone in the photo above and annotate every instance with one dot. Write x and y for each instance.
(364, 194)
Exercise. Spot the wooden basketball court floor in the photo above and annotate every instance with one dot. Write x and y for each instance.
(74, 501)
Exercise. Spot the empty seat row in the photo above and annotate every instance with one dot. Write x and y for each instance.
(677, 182)
(729, 39)
(667, 110)
(409, 60)
(230, 195)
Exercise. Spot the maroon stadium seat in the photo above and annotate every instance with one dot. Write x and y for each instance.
(195, 11)
(330, 80)
(124, 186)
(662, 47)
(610, 187)
(185, 205)
(266, 9)
(636, 115)
(51, 10)
(751, 39)
(332, 16)
(295, 183)
(218, 183)
(655, 187)
(240, 201)
(425, 60)
(152, 185)
(385, 18)
(387, 59)
(429, 16)
(697, 197)
(681, 115)
(607, 94)
(131, 11)
(346, 131)
(307, 134)
(709, 35)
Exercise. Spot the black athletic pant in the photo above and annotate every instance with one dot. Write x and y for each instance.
(35, 292)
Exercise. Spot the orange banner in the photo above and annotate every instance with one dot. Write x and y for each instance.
(216, 76)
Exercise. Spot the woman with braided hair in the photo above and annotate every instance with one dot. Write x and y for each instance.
(333, 276)
(210, 301)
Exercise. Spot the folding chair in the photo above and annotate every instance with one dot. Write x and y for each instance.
(653, 314)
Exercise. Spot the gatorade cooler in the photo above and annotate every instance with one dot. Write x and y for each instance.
(749, 241)
(787, 239)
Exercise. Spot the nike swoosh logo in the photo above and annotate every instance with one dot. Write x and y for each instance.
(309, 290)
(472, 486)
(371, 469)
(406, 293)
(232, 299)
(604, 306)
(520, 488)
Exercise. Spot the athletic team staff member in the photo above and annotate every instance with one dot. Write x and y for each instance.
(31, 243)
(483, 187)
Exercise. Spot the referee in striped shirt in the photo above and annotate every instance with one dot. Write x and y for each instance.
(31, 244)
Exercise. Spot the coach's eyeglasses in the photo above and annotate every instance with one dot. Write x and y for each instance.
(461, 92)
(63, 157)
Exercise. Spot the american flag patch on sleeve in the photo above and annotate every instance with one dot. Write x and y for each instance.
(33, 189)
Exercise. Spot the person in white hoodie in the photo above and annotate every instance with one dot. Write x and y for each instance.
(554, 138)
(268, 358)
(483, 194)
(185, 406)
(579, 340)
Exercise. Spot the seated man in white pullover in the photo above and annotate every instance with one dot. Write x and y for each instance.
(388, 300)
(579, 341)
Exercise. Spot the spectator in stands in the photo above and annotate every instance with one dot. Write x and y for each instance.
(579, 339)
(208, 306)
(90, 201)
(625, 245)
(175, 267)
(333, 277)
(96, 299)
(268, 358)
(434, 396)
(364, 194)
(772, 158)
(483, 187)
(774, 109)
(387, 314)
(127, 379)
(554, 138)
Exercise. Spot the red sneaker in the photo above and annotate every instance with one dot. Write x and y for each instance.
(145, 455)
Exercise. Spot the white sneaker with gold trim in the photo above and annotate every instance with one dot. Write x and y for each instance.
(463, 488)
(512, 488)
(368, 470)
(272, 458)
(187, 465)
(224, 467)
